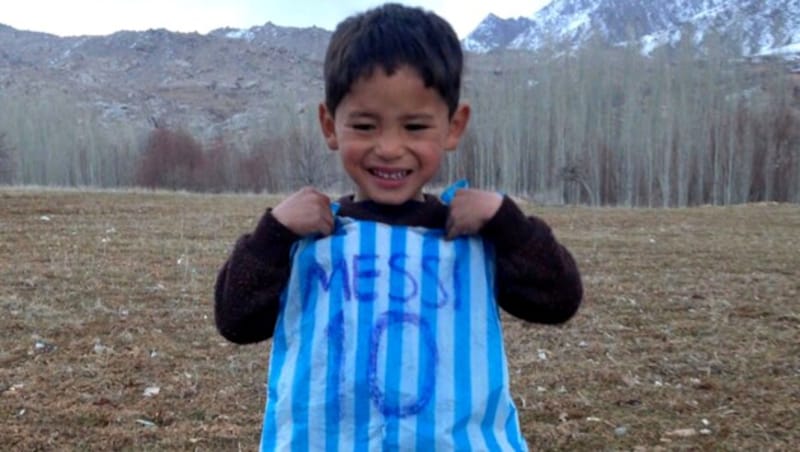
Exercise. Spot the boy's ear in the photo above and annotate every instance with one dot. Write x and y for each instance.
(328, 126)
(458, 124)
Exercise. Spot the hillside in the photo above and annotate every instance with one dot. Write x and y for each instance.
(749, 27)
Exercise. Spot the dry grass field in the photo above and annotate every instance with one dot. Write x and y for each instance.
(689, 337)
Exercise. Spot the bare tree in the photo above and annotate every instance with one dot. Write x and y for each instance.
(7, 164)
(171, 159)
(308, 158)
(596, 125)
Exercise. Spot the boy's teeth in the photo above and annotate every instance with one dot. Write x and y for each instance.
(394, 175)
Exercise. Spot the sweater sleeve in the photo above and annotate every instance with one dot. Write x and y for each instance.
(249, 284)
(536, 277)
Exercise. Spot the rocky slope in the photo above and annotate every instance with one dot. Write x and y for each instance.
(755, 27)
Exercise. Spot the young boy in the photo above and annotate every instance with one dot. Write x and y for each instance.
(383, 314)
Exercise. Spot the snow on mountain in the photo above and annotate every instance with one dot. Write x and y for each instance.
(494, 32)
(755, 27)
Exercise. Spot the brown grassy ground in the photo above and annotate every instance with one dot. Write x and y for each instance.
(689, 337)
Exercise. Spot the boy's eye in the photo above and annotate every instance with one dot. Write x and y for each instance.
(414, 127)
(363, 126)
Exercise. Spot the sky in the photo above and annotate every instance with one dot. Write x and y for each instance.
(102, 17)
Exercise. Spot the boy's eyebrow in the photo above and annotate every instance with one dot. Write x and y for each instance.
(361, 115)
(407, 117)
(417, 116)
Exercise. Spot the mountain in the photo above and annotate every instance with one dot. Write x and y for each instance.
(495, 33)
(224, 80)
(755, 27)
(307, 42)
(231, 81)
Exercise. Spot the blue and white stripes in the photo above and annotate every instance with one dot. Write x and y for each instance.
(389, 338)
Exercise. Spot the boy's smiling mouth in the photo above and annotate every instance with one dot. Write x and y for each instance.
(389, 174)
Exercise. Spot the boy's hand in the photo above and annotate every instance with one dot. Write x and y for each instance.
(470, 209)
(306, 212)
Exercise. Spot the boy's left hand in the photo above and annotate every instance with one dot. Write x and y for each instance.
(470, 209)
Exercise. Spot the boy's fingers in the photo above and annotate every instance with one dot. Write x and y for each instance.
(451, 228)
(325, 215)
(317, 195)
(307, 211)
(327, 222)
(448, 227)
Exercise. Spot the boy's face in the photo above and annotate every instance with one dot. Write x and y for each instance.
(391, 133)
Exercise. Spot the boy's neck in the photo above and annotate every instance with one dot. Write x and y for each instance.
(429, 213)
(358, 197)
(411, 202)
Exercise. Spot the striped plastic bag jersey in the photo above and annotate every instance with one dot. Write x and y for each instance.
(389, 339)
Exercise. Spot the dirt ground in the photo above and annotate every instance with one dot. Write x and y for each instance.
(689, 337)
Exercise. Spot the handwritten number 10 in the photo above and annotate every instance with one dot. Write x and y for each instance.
(427, 377)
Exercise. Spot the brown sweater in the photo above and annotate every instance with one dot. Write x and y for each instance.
(537, 279)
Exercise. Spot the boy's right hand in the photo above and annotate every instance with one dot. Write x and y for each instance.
(306, 212)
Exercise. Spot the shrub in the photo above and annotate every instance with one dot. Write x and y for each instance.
(171, 159)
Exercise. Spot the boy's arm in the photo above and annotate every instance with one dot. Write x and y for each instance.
(536, 279)
(249, 285)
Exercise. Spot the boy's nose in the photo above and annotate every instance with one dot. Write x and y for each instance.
(389, 146)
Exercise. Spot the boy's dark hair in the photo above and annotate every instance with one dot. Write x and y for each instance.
(388, 37)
